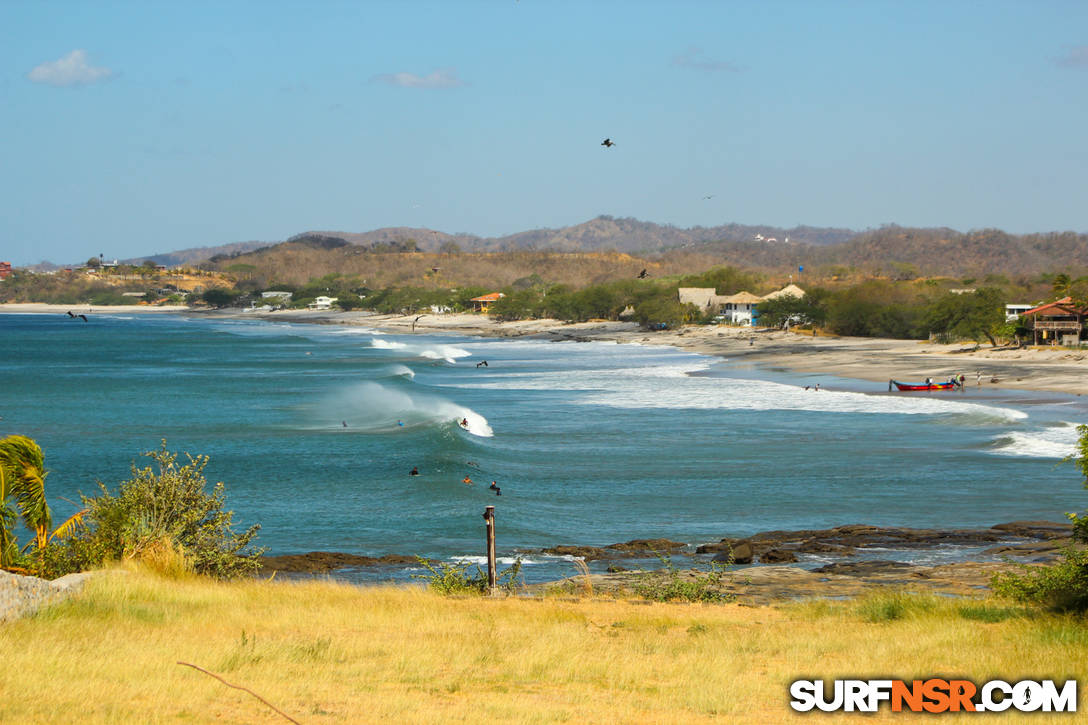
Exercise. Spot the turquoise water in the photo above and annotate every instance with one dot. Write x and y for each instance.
(314, 429)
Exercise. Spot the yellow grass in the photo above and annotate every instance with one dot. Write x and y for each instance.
(329, 653)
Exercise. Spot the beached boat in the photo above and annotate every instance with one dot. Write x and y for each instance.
(947, 385)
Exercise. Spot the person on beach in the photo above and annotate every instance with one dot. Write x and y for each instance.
(414, 471)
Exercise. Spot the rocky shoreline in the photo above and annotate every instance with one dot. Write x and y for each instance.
(1028, 542)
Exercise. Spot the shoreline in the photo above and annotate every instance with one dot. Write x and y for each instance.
(873, 359)
(776, 566)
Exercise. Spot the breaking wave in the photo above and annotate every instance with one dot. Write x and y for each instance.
(373, 407)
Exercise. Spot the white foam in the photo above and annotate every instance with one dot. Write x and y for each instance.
(672, 386)
(1053, 442)
(430, 351)
(400, 371)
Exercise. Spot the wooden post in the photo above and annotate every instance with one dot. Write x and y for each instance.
(489, 516)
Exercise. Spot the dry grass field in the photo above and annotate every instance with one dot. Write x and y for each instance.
(331, 653)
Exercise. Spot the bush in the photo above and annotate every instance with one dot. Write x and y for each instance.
(671, 584)
(159, 512)
(1062, 586)
(456, 579)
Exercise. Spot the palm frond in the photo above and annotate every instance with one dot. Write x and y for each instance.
(73, 524)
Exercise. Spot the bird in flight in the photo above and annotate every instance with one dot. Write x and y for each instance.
(82, 316)
(709, 197)
(642, 274)
(607, 143)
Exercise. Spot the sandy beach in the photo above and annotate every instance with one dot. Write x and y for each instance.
(879, 360)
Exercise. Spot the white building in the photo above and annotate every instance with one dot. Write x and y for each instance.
(740, 309)
(322, 303)
(1014, 311)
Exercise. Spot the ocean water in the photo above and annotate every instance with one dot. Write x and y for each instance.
(314, 430)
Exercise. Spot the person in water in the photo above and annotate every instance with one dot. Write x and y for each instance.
(467, 481)
(414, 471)
(494, 486)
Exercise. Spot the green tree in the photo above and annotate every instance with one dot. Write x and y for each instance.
(167, 506)
(980, 313)
(22, 493)
(808, 310)
(218, 297)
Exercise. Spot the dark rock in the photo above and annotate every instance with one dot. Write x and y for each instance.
(615, 568)
(589, 553)
(865, 568)
(777, 556)
(320, 562)
(814, 546)
(741, 554)
(723, 546)
(1037, 529)
(648, 546)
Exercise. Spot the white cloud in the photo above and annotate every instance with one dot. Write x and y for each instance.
(694, 58)
(441, 78)
(1075, 58)
(71, 70)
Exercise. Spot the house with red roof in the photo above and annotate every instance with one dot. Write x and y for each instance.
(1057, 322)
(483, 302)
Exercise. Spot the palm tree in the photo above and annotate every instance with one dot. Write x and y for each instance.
(22, 479)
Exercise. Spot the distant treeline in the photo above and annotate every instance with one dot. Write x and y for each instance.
(875, 307)
(906, 309)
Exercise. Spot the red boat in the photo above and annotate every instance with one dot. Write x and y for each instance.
(948, 385)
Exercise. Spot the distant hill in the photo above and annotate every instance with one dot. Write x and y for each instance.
(603, 233)
(195, 255)
(890, 250)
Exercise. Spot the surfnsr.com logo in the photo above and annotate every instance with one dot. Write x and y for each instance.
(934, 695)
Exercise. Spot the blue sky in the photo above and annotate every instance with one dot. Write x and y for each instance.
(130, 128)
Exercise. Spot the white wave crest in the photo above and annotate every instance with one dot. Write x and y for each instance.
(373, 407)
(430, 351)
(1054, 442)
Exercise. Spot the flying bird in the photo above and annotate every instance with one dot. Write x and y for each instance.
(70, 314)
(708, 197)
(607, 143)
(642, 274)
(82, 316)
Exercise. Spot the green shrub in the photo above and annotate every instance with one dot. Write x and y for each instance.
(1062, 586)
(455, 578)
(672, 584)
(156, 511)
